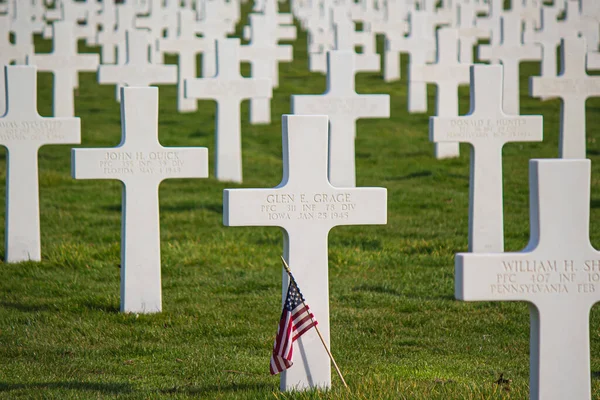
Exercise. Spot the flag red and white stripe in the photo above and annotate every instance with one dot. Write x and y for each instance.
(296, 319)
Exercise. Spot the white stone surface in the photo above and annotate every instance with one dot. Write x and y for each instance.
(548, 37)
(423, 49)
(23, 131)
(447, 73)
(306, 206)
(23, 26)
(264, 55)
(115, 40)
(228, 88)
(65, 63)
(217, 21)
(343, 106)
(187, 45)
(510, 52)
(9, 53)
(141, 163)
(468, 32)
(557, 273)
(487, 128)
(574, 86)
(593, 60)
(138, 70)
(156, 21)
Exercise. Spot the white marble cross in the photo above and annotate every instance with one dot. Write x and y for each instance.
(228, 88)
(65, 63)
(395, 27)
(115, 39)
(574, 86)
(264, 55)
(187, 45)
(346, 38)
(156, 22)
(23, 26)
(23, 131)
(213, 28)
(9, 53)
(422, 48)
(558, 273)
(447, 74)
(306, 206)
(468, 32)
(138, 70)
(141, 163)
(487, 128)
(548, 37)
(108, 37)
(511, 52)
(343, 106)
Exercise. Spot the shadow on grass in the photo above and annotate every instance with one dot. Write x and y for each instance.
(223, 388)
(26, 307)
(202, 134)
(108, 388)
(377, 289)
(414, 175)
(595, 203)
(100, 305)
(181, 207)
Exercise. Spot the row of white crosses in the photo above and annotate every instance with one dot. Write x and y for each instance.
(140, 162)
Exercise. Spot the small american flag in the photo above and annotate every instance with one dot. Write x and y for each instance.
(296, 319)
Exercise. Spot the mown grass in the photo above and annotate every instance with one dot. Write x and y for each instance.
(397, 331)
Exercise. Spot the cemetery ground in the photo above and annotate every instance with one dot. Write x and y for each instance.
(397, 331)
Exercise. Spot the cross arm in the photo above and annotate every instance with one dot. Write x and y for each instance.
(524, 276)
(482, 129)
(256, 207)
(214, 88)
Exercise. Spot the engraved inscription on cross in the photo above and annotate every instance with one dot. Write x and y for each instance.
(510, 52)
(228, 88)
(558, 273)
(138, 70)
(141, 163)
(23, 131)
(447, 74)
(65, 63)
(487, 128)
(264, 55)
(574, 86)
(306, 206)
(187, 45)
(343, 106)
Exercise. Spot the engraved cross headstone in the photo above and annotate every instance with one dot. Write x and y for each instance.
(138, 70)
(23, 131)
(306, 206)
(447, 74)
(264, 55)
(187, 45)
(487, 128)
(343, 106)
(558, 273)
(141, 163)
(65, 63)
(23, 26)
(510, 52)
(574, 86)
(9, 53)
(228, 88)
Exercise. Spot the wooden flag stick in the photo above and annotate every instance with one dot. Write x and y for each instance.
(289, 271)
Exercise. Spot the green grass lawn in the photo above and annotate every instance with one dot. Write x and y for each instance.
(397, 331)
